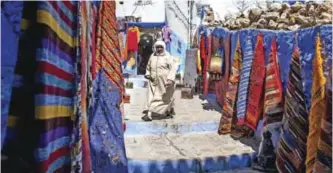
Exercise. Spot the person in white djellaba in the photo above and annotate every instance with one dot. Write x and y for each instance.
(161, 73)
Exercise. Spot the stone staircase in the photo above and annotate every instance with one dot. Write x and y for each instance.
(188, 143)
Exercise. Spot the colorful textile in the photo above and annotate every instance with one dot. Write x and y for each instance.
(107, 53)
(203, 55)
(166, 34)
(21, 127)
(222, 85)
(11, 14)
(55, 68)
(229, 108)
(122, 47)
(317, 107)
(291, 150)
(132, 38)
(256, 88)
(105, 121)
(323, 161)
(244, 82)
(81, 161)
(273, 100)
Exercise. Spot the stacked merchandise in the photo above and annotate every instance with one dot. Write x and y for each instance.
(60, 76)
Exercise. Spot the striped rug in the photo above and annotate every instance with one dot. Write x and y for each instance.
(317, 106)
(273, 100)
(256, 86)
(56, 58)
(244, 82)
(229, 108)
(291, 150)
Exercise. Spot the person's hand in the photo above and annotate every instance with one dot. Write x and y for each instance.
(169, 83)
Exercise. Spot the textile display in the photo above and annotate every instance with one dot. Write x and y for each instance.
(257, 79)
(166, 34)
(81, 161)
(18, 123)
(244, 82)
(229, 108)
(122, 47)
(58, 26)
(222, 85)
(133, 37)
(273, 100)
(317, 106)
(56, 62)
(105, 121)
(11, 14)
(291, 150)
(323, 161)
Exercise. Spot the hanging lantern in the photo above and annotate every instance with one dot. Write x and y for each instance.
(215, 65)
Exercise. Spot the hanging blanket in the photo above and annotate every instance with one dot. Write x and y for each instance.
(244, 82)
(256, 88)
(273, 101)
(229, 109)
(11, 14)
(323, 161)
(105, 124)
(317, 106)
(291, 150)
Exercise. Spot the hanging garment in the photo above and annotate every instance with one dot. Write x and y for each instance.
(21, 127)
(273, 101)
(203, 55)
(291, 150)
(229, 108)
(55, 74)
(323, 161)
(132, 38)
(105, 121)
(145, 50)
(317, 107)
(166, 34)
(122, 47)
(221, 87)
(256, 88)
(244, 82)
(81, 160)
(11, 14)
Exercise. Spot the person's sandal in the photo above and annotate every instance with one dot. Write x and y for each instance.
(146, 118)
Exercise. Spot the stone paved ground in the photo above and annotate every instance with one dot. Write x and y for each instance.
(191, 134)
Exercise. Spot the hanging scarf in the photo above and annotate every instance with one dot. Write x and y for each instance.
(323, 161)
(273, 101)
(255, 98)
(244, 82)
(291, 150)
(229, 109)
(317, 106)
